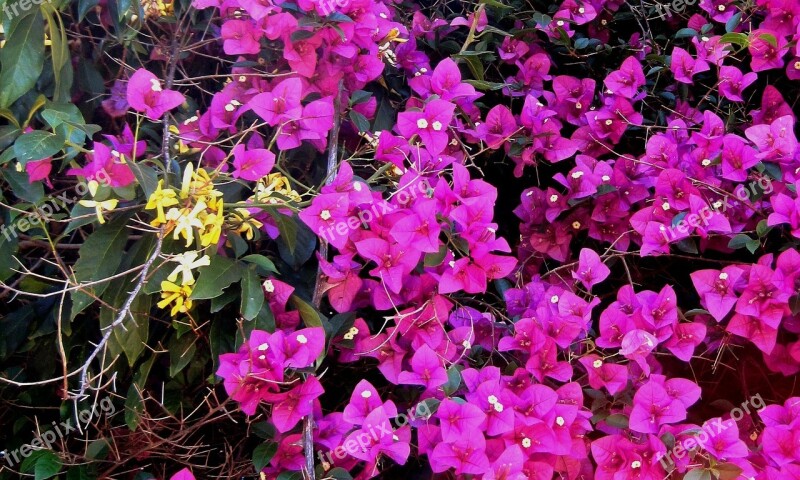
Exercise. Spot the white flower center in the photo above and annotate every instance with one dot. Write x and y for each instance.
(560, 421)
(357, 186)
(155, 85)
(554, 198)
(597, 363)
(366, 394)
(268, 286)
(605, 178)
(577, 175)
(554, 299)
(325, 214)
(263, 347)
(302, 339)
(437, 125)
(609, 121)
(422, 123)
(665, 206)
(526, 442)
(636, 464)
(492, 399)
(723, 276)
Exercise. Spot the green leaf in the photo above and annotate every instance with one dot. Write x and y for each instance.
(310, 315)
(43, 464)
(727, 471)
(220, 274)
(753, 245)
(359, 120)
(263, 454)
(264, 263)
(84, 6)
(290, 476)
(59, 52)
(22, 57)
(21, 187)
(97, 450)
(453, 380)
(739, 241)
(99, 257)
(762, 229)
(8, 133)
(252, 294)
(697, 474)
(134, 407)
(686, 33)
(181, 352)
(37, 145)
(287, 227)
(484, 85)
(733, 22)
(736, 39)
(617, 420)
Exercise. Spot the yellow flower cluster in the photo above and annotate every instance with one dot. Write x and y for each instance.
(176, 292)
(275, 183)
(198, 205)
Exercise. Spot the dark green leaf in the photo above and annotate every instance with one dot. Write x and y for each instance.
(263, 454)
(100, 255)
(215, 277)
(252, 294)
(37, 145)
(22, 57)
(264, 263)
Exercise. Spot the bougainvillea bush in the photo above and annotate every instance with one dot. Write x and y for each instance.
(353, 239)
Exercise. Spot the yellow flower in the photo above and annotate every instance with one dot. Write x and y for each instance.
(275, 183)
(99, 207)
(187, 262)
(185, 219)
(159, 199)
(246, 224)
(179, 295)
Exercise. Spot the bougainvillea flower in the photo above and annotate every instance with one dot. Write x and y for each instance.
(716, 289)
(431, 124)
(775, 141)
(459, 420)
(767, 50)
(279, 104)
(590, 270)
(241, 37)
(653, 407)
(684, 66)
(252, 164)
(105, 168)
(627, 80)
(295, 404)
(364, 400)
(465, 456)
(145, 94)
(612, 376)
(426, 370)
(732, 82)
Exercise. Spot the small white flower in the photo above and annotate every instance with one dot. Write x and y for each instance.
(263, 347)
(366, 394)
(357, 186)
(492, 399)
(302, 339)
(325, 214)
(554, 299)
(577, 175)
(422, 123)
(553, 198)
(605, 178)
(560, 421)
(498, 407)
(723, 276)
(597, 363)
(526, 442)
(437, 125)
(268, 286)
(155, 85)
(636, 464)
(665, 206)
(609, 122)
